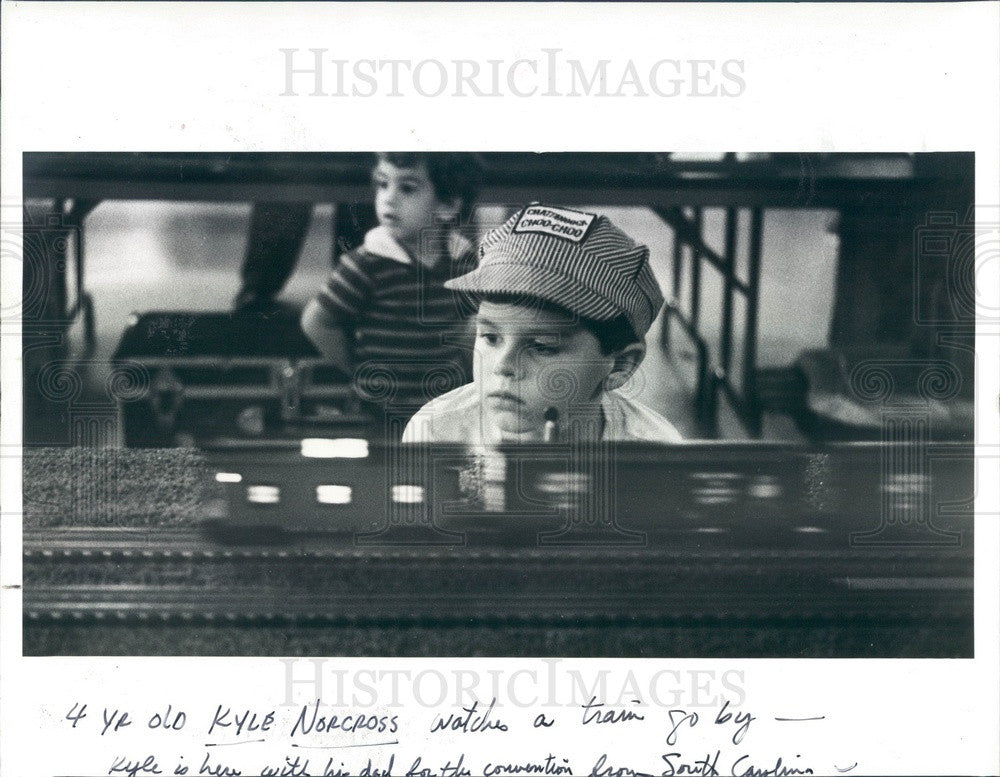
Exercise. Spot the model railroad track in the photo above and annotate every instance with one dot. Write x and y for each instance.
(102, 574)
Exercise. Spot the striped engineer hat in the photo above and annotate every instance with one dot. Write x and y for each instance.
(579, 261)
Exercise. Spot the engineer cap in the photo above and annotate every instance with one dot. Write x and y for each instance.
(579, 261)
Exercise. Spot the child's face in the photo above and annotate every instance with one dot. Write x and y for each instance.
(528, 360)
(406, 203)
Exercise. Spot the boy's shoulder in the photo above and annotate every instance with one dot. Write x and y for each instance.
(453, 416)
(629, 419)
(378, 246)
(458, 400)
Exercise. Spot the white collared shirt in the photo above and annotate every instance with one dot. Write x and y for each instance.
(457, 417)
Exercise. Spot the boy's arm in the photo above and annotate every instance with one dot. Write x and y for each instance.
(328, 320)
(330, 337)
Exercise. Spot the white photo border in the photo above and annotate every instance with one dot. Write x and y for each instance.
(817, 77)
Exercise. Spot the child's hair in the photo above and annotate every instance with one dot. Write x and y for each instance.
(611, 335)
(453, 175)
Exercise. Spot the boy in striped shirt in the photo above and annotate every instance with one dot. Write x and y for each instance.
(565, 300)
(384, 316)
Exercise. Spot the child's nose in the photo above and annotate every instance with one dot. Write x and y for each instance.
(506, 363)
(389, 195)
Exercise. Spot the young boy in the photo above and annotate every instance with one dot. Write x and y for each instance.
(565, 299)
(384, 316)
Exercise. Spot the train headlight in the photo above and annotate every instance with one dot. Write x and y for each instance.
(333, 495)
(340, 448)
(263, 495)
(408, 494)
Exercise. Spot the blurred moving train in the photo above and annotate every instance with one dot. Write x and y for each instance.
(695, 495)
(349, 547)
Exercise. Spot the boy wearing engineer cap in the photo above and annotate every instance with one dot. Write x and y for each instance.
(565, 299)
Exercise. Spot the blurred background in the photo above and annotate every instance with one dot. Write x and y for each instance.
(807, 295)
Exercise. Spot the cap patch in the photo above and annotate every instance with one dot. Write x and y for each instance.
(571, 225)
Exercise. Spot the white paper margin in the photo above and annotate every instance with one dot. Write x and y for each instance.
(820, 77)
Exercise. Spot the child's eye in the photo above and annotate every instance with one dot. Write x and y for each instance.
(489, 338)
(380, 183)
(407, 188)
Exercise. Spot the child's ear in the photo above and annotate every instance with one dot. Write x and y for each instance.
(447, 212)
(626, 362)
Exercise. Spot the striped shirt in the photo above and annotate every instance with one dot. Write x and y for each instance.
(411, 336)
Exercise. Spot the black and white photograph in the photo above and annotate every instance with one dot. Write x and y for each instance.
(453, 403)
(470, 389)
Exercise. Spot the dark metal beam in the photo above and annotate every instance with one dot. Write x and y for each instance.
(753, 306)
(783, 180)
(726, 344)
